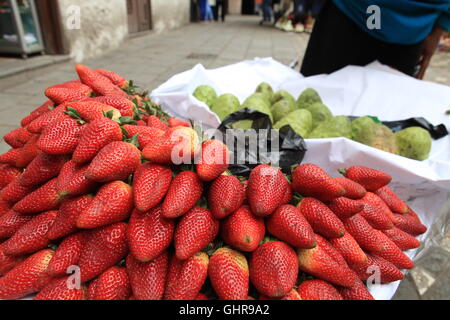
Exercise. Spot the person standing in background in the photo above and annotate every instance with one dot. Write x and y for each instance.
(212, 4)
(203, 4)
(223, 6)
(402, 34)
(267, 11)
(258, 6)
(209, 16)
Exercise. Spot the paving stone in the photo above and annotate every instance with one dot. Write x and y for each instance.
(406, 290)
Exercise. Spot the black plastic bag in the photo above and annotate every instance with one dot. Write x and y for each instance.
(289, 147)
(436, 132)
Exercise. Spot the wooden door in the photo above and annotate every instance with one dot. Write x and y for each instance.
(50, 22)
(139, 15)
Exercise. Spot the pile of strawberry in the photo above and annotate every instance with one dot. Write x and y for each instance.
(94, 205)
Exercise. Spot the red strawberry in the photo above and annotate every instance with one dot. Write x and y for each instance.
(104, 248)
(14, 191)
(113, 284)
(274, 269)
(149, 234)
(225, 196)
(7, 263)
(174, 122)
(101, 84)
(229, 274)
(318, 290)
(392, 200)
(115, 78)
(377, 266)
(266, 189)
(72, 180)
(345, 208)
(375, 216)
(18, 137)
(145, 134)
(325, 263)
(61, 95)
(76, 85)
(10, 222)
(392, 252)
(370, 179)
(186, 278)
(150, 185)
(287, 223)
(312, 181)
(116, 161)
(124, 105)
(413, 214)
(194, 232)
(409, 224)
(201, 296)
(28, 153)
(148, 278)
(41, 122)
(94, 137)
(5, 206)
(403, 240)
(322, 220)
(8, 174)
(376, 242)
(44, 108)
(155, 122)
(213, 161)
(178, 145)
(67, 255)
(28, 277)
(43, 168)
(184, 192)
(62, 289)
(90, 111)
(44, 198)
(357, 292)
(292, 295)
(353, 190)
(349, 249)
(243, 230)
(61, 137)
(113, 203)
(10, 157)
(31, 237)
(378, 204)
(289, 195)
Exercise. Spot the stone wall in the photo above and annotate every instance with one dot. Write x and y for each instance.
(92, 27)
(234, 6)
(169, 14)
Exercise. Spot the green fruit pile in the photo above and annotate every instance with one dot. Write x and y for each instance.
(312, 119)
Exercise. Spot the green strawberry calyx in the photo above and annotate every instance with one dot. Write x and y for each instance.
(75, 115)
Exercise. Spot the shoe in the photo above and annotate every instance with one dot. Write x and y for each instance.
(299, 27)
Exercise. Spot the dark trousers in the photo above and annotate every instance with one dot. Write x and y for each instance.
(337, 41)
(222, 5)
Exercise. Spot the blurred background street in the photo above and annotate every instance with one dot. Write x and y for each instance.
(151, 58)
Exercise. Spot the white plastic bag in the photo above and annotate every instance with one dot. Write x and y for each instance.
(372, 90)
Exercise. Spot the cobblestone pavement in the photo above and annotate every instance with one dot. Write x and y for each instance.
(152, 59)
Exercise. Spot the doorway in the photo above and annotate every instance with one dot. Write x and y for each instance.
(139, 15)
(248, 7)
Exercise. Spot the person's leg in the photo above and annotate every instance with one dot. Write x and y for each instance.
(404, 58)
(316, 7)
(336, 42)
(224, 10)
